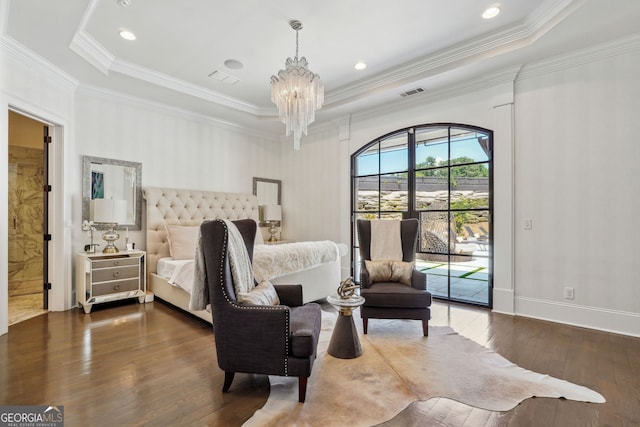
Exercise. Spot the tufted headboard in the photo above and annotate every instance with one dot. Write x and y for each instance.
(188, 207)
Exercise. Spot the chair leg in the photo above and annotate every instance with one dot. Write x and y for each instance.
(302, 389)
(425, 328)
(365, 323)
(228, 379)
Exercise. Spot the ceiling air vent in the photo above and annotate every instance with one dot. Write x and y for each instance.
(412, 92)
(223, 77)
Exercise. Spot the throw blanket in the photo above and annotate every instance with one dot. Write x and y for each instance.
(386, 243)
(271, 261)
(238, 261)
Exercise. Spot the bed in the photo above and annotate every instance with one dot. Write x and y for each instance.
(170, 207)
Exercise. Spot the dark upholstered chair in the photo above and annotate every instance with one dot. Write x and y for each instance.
(261, 339)
(394, 300)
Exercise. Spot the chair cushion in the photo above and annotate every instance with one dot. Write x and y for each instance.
(306, 321)
(393, 294)
(389, 271)
(263, 294)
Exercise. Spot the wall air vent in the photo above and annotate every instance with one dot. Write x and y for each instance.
(223, 77)
(412, 92)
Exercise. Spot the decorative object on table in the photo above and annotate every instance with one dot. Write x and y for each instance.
(91, 247)
(298, 93)
(272, 215)
(107, 213)
(347, 288)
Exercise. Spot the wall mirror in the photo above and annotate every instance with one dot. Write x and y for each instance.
(113, 179)
(267, 191)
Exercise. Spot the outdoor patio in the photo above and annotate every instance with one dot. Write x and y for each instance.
(469, 279)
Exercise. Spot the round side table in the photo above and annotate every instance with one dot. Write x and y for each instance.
(345, 343)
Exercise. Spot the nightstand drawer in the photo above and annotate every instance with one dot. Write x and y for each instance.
(115, 262)
(116, 273)
(110, 277)
(115, 287)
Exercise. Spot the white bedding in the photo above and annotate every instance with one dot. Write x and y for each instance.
(269, 262)
(178, 272)
(272, 261)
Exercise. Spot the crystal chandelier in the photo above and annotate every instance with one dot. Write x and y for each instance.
(298, 93)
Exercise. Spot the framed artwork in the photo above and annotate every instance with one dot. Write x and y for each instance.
(97, 185)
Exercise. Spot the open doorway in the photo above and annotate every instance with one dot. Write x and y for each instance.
(26, 213)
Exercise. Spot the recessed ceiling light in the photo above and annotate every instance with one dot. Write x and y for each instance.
(127, 35)
(360, 65)
(491, 12)
(233, 64)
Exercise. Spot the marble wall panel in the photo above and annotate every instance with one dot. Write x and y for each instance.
(26, 172)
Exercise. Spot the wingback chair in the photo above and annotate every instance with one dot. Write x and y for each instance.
(391, 299)
(262, 339)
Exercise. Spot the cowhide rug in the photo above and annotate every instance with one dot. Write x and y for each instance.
(397, 369)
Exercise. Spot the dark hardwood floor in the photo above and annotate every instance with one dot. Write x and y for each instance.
(130, 364)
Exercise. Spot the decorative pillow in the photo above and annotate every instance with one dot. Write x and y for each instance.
(182, 241)
(263, 294)
(389, 271)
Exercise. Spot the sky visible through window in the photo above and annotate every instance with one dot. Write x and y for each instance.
(395, 159)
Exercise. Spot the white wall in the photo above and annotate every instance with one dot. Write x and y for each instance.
(577, 174)
(176, 149)
(575, 163)
(564, 155)
(32, 86)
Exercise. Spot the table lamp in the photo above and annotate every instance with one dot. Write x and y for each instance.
(108, 213)
(272, 214)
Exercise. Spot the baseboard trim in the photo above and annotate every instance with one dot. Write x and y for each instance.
(619, 322)
(503, 301)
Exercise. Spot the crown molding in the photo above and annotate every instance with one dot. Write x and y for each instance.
(119, 97)
(495, 44)
(580, 57)
(92, 51)
(101, 58)
(15, 50)
(169, 82)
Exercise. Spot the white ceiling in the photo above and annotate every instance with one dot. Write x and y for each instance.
(406, 44)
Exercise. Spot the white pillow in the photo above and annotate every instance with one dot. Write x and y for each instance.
(182, 240)
(263, 294)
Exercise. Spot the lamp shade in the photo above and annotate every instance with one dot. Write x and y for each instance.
(109, 211)
(102, 210)
(271, 213)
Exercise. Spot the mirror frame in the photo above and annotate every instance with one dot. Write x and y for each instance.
(86, 188)
(267, 180)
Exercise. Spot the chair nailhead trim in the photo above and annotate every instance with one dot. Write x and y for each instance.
(253, 307)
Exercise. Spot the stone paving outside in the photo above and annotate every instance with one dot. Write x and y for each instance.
(469, 280)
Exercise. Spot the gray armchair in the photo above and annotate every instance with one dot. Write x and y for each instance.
(261, 339)
(394, 300)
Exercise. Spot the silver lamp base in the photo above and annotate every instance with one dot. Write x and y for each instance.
(273, 229)
(110, 236)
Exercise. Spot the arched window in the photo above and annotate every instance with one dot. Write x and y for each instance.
(440, 174)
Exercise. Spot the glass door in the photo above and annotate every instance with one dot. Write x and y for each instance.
(452, 200)
(441, 175)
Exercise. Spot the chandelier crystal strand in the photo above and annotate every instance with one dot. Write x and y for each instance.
(298, 93)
